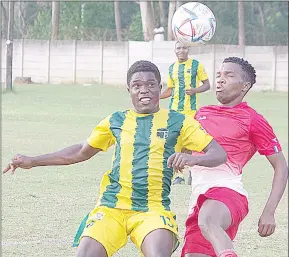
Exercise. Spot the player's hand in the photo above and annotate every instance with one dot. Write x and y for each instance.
(266, 225)
(18, 161)
(191, 91)
(178, 161)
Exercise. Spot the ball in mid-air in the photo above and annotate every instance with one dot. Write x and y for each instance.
(193, 23)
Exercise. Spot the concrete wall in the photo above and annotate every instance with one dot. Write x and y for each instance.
(107, 62)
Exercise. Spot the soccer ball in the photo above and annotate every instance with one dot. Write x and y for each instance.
(193, 23)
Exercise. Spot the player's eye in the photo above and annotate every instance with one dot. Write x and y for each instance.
(135, 86)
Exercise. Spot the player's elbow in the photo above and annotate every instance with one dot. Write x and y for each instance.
(223, 155)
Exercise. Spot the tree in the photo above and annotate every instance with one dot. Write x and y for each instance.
(55, 20)
(241, 25)
(147, 20)
(117, 20)
(172, 8)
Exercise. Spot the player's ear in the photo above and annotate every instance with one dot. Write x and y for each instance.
(247, 86)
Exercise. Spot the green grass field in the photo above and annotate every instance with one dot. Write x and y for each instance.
(43, 207)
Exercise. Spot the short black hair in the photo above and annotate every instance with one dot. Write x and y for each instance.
(247, 68)
(143, 66)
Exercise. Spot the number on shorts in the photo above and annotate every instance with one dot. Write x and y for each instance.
(167, 221)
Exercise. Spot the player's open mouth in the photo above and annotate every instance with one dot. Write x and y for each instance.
(145, 100)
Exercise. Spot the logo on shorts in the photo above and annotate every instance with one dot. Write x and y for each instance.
(89, 224)
(99, 215)
(162, 133)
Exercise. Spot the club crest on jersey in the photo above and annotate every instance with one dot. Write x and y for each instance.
(162, 133)
(189, 71)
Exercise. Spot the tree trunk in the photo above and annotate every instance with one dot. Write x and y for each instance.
(9, 47)
(179, 4)
(147, 20)
(261, 12)
(162, 14)
(117, 20)
(241, 23)
(4, 23)
(172, 8)
(55, 20)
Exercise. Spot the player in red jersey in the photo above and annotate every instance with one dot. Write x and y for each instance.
(219, 201)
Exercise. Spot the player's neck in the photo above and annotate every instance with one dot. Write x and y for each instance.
(183, 60)
(233, 103)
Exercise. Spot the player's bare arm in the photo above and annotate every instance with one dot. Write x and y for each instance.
(69, 155)
(266, 222)
(166, 93)
(215, 155)
(203, 88)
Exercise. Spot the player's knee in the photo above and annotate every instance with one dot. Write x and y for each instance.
(208, 224)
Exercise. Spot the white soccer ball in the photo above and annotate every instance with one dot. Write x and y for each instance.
(193, 23)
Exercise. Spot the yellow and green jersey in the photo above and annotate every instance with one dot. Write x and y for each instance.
(139, 178)
(183, 76)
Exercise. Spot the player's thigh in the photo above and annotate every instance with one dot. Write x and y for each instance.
(154, 233)
(214, 212)
(89, 247)
(106, 226)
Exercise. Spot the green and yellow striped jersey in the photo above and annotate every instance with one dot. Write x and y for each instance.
(139, 178)
(183, 76)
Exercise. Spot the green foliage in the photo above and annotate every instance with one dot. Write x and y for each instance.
(41, 26)
(266, 23)
(135, 30)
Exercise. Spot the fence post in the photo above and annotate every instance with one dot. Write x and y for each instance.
(152, 46)
(22, 57)
(274, 52)
(213, 65)
(74, 61)
(101, 62)
(127, 51)
(48, 61)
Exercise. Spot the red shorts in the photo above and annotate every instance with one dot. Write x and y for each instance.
(236, 203)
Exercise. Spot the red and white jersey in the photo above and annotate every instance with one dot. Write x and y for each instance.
(241, 131)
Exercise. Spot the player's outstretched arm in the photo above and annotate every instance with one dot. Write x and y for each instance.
(203, 88)
(166, 93)
(69, 155)
(215, 155)
(266, 222)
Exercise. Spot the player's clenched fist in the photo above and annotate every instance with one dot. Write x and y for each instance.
(179, 160)
(18, 161)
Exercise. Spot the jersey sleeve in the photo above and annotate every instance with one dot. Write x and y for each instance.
(101, 137)
(194, 136)
(170, 82)
(202, 74)
(263, 136)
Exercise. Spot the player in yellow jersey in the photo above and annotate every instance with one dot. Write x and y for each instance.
(134, 194)
(184, 78)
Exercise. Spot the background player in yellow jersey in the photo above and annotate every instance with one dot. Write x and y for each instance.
(184, 80)
(134, 194)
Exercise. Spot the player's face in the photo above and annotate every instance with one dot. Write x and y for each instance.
(144, 91)
(230, 84)
(182, 52)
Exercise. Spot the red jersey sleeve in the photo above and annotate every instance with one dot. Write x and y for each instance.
(263, 137)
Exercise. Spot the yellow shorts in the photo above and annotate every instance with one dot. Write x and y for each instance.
(191, 113)
(111, 227)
